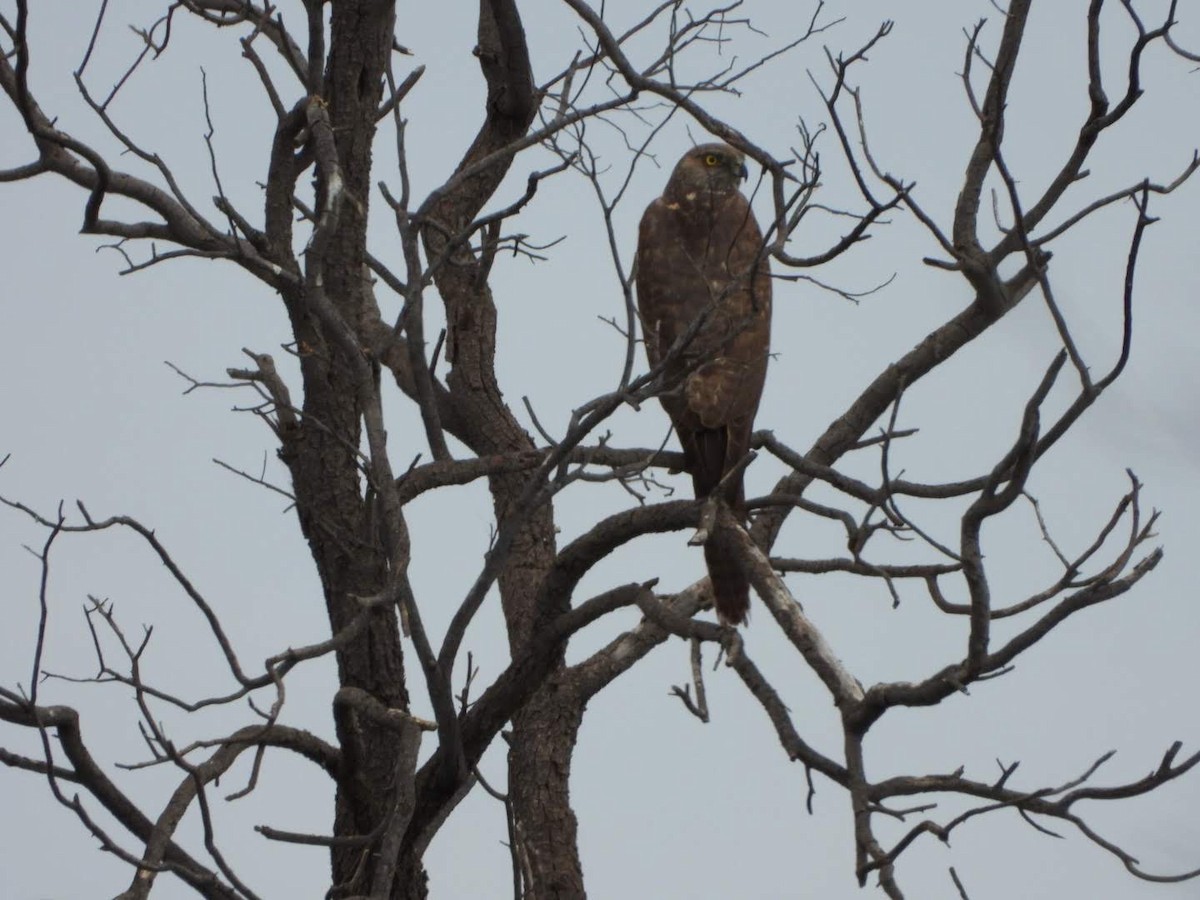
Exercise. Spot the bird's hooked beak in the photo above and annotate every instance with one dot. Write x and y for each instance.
(743, 172)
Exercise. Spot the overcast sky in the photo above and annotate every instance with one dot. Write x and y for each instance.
(668, 807)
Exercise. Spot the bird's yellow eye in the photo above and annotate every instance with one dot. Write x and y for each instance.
(711, 159)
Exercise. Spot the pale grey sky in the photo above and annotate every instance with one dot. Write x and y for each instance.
(668, 808)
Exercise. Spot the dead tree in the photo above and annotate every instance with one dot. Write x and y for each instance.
(338, 79)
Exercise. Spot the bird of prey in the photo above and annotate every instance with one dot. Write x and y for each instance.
(703, 281)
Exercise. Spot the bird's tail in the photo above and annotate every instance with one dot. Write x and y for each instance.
(731, 590)
(709, 460)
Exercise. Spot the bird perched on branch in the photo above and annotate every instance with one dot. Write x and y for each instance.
(704, 297)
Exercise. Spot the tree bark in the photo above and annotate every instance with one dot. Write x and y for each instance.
(336, 513)
(539, 767)
(544, 732)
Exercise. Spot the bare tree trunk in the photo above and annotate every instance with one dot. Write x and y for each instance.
(545, 730)
(539, 766)
(338, 521)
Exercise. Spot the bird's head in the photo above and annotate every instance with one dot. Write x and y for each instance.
(709, 169)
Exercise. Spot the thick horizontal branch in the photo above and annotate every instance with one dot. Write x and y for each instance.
(859, 567)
